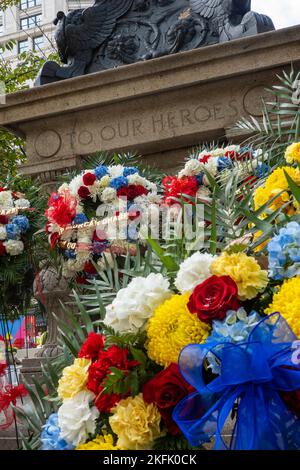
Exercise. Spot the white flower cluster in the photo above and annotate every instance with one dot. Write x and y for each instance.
(10, 233)
(135, 304)
(77, 419)
(193, 271)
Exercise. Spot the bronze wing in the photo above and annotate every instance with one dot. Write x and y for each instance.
(207, 8)
(97, 24)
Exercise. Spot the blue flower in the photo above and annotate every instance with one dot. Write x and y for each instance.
(199, 179)
(22, 222)
(284, 253)
(70, 254)
(101, 171)
(50, 437)
(13, 232)
(130, 170)
(119, 182)
(224, 163)
(261, 170)
(235, 328)
(79, 219)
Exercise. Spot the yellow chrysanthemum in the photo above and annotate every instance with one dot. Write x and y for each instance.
(244, 270)
(287, 302)
(173, 327)
(105, 442)
(274, 184)
(136, 423)
(292, 153)
(74, 379)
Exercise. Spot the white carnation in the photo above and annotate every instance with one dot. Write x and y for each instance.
(75, 185)
(193, 271)
(95, 190)
(192, 168)
(134, 305)
(76, 419)
(14, 247)
(22, 203)
(6, 200)
(2, 233)
(108, 195)
(116, 171)
(232, 148)
(64, 187)
(211, 166)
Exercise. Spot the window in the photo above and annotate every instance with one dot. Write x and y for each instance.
(23, 46)
(30, 21)
(38, 43)
(24, 4)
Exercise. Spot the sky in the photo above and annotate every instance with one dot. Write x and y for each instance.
(283, 12)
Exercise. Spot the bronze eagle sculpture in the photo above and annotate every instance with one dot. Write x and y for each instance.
(116, 32)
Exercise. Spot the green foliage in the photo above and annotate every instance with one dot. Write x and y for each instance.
(174, 443)
(280, 122)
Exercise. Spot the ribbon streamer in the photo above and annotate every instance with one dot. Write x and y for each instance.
(252, 376)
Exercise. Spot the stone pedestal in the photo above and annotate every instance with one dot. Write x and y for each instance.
(160, 108)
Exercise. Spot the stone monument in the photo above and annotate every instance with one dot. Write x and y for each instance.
(119, 32)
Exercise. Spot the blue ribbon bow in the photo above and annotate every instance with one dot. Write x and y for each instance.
(252, 376)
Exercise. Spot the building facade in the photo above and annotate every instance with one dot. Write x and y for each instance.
(30, 26)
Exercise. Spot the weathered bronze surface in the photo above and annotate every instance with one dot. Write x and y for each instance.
(112, 33)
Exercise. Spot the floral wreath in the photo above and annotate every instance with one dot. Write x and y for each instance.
(193, 180)
(76, 208)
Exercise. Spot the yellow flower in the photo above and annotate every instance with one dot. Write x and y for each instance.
(105, 442)
(275, 184)
(244, 270)
(287, 302)
(104, 182)
(74, 379)
(136, 423)
(261, 245)
(292, 153)
(173, 327)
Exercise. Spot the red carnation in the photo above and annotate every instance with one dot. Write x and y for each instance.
(166, 389)
(3, 367)
(212, 299)
(62, 208)
(3, 219)
(132, 191)
(89, 179)
(205, 158)
(83, 192)
(92, 346)
(89, 268)
(100, 370)
(177, 187)
(81, 280)
(2, 249)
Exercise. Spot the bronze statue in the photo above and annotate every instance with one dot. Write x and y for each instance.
(112, 33)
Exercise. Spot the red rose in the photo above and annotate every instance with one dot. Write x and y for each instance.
(89, 179)
(100, 370)
(167, 389)
(132, 191)
(3, 219)
(92, 347)
(83, 192)
(2, 249)
(89, 268)
(213, 298)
